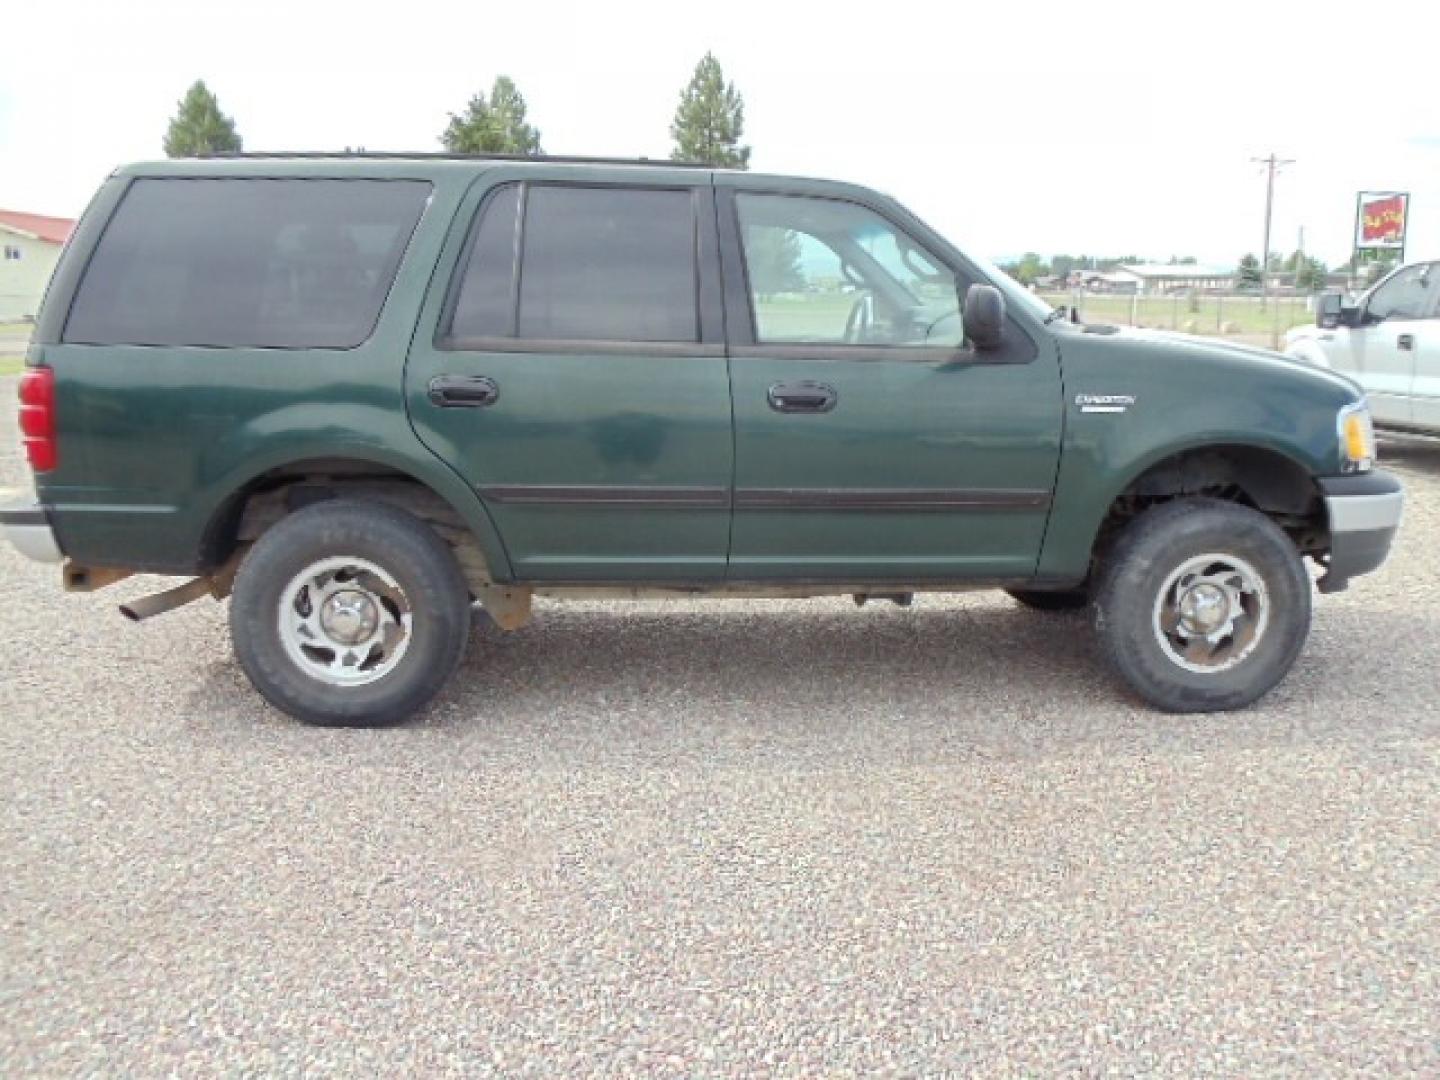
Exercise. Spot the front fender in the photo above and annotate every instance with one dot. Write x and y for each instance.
(1188, 395)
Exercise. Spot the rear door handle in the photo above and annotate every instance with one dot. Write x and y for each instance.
(463, 391)
(1406, 342)
(809, 397)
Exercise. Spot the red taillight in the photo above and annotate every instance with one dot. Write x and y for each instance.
(37, 417)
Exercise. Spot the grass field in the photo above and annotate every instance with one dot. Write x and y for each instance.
(822, 316)
(814, 316)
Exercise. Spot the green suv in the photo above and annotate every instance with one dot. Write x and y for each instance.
(361, 394)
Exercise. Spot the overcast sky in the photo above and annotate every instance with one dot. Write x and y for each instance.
(1103, 128)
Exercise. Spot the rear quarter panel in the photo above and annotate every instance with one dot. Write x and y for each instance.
(154, 441)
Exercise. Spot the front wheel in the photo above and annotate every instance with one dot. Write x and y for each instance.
(1203, 605)
(349, 613)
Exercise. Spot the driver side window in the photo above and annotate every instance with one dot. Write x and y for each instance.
(829, 272)
(1410, 294)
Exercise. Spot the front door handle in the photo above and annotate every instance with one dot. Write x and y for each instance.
(809, 397)
(463, 391)
(1406, 342)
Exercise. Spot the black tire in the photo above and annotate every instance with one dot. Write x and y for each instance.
(1066, 600)
(1155, 546)
(410, 552)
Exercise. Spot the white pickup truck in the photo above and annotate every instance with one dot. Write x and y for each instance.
(1388, 341)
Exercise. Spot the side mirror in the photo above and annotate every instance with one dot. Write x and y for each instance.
(984, 316)
(1329, 310)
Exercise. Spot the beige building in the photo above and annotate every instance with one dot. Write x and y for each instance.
(30, 244)
(1167, 279)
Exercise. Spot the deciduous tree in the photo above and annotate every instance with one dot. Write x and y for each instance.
(1310, 274)
(1248, 271)
(1063, 265)
(1030, 267)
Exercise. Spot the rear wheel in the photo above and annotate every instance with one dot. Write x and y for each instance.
(349, 613)
(1203, 605)
(1064, 600)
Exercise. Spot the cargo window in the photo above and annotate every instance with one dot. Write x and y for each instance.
(239, 262)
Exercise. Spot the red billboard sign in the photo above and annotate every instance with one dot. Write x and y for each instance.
(1380, 219)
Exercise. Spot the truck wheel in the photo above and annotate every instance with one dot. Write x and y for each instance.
(1066, 600)
(1203, 605)
(349, 613)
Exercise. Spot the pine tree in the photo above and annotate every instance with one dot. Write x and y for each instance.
(497, 126)
(199, 127)
(774, 261)
(710, 120)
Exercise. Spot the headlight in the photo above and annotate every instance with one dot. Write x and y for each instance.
(1357, 438)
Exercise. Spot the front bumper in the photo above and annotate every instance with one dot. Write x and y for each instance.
(1364, 512)
(27, 527)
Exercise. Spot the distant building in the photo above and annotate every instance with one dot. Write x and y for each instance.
(1157, 279)
(1284, 281)
(31, 246)
(1105, 281)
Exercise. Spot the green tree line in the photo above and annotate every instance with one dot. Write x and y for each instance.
(1032, 268)
(708, 128)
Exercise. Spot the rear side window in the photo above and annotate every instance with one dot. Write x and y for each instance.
(596, 264)
(485, 306)
(264, 263)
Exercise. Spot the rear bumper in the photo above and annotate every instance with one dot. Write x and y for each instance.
(27, 527)
(1364, 513)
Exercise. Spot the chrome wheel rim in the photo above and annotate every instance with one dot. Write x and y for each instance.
(1211, 613)
(345, 621)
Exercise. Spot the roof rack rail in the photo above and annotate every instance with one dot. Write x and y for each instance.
(564, 159)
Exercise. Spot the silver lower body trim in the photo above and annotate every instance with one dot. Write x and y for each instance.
(1365, 513)
(1363, 524)
(28, 530)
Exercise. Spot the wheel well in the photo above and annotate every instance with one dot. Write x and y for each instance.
(1261, 479)
(280, 491)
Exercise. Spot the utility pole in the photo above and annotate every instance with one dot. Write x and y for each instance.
(1272, 165)
(1301, 259)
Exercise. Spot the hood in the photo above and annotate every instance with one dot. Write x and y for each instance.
(1236, 361)
(1194, 343)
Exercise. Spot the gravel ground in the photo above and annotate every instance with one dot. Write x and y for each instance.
(720, 838)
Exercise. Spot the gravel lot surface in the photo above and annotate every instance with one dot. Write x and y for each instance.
(722, 839)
